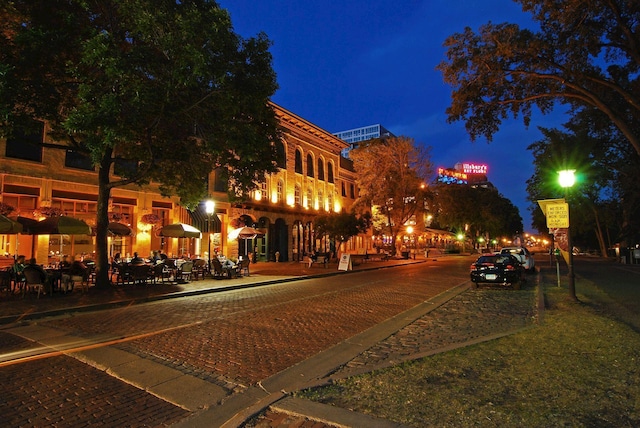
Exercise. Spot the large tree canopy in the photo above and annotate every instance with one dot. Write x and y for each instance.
(163, 86)
(605, 202)
(392, 176)
(476, 211)
(585, 53)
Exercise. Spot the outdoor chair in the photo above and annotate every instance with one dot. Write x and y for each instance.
(82, 280)
(185, 271)
(199, 269)
(32, 281)
(243, 268)
(216, 266)
(124, 275)
(140, 274)
(161, 273)
(5, 280)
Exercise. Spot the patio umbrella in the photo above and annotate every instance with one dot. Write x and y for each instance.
(28, 224)
(61, 225)
(244, 233)
(180, 230)
(119, 229)
(8, 226)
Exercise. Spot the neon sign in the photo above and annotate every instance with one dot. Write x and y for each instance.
(449, 176)
(472, 168)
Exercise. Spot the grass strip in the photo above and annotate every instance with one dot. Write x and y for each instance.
(579, 368)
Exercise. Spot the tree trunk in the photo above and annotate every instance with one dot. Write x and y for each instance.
(600, 235)
(394, 250)
(102, 223)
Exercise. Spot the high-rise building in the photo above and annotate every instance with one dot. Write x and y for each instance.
(355, 136)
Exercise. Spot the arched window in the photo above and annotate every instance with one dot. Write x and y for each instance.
(320, 169)
(310, 166)
(298, 161)
(320, 200)
(330, 172)
(297, 196)
(330, 200)
(309, 198)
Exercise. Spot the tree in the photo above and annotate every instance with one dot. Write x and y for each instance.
(392, 176)
(164, 88)
(605, 203)
(477, 211)
(340, 227)
(585, 53)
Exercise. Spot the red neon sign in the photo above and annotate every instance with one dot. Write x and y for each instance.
(472, 168)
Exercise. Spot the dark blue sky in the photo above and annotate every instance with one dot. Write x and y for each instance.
(347, 64)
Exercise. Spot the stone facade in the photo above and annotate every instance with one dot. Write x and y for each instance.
(313, 179)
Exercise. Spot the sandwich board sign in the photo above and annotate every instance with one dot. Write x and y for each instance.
(345, 262)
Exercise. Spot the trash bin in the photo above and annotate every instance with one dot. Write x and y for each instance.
(405, 255)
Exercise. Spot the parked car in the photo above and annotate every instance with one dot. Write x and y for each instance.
(524, 255)
(498, 269)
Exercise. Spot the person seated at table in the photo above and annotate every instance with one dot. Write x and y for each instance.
(45, 278)
(65, 263)
(155, 257)
(137, 260)
(227, 264)
(77, 269)
(117, 259)
(313, 257)
(181, 260)
(18, 268)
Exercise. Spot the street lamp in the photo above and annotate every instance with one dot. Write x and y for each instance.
(209, 207)
(567, 179)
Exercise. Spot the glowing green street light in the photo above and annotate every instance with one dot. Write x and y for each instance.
(567, 179)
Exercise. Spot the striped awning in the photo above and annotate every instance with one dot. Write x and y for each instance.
(200, 220)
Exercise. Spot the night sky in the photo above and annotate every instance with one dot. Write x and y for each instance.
(347, 64)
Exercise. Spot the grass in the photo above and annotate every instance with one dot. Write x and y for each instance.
(579, 368)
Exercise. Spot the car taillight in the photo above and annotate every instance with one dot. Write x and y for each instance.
(510, 267)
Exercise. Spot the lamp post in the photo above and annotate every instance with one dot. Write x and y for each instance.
(567, 179)
(210, 207)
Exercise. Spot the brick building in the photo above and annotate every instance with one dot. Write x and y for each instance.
(313, 179)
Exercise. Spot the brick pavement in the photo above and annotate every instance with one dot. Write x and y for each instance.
(15, 308)
(459, 314)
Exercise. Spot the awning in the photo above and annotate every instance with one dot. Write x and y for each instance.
(200, 220)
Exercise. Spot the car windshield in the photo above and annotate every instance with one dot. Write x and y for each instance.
(514, 250)
(497, 259)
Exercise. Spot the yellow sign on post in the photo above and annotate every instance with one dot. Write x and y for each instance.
(557, 215)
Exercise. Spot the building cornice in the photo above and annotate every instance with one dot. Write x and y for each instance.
(294, 121)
